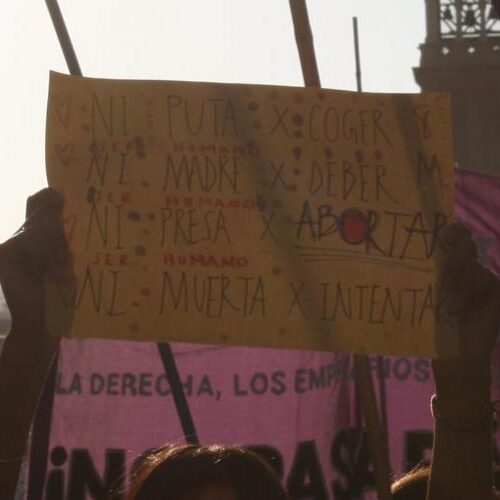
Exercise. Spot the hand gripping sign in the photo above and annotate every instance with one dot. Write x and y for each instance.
(253, 215)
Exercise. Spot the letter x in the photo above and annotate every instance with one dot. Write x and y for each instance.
(267, 227)
(296, 299)
(278, 176)
(280, 120)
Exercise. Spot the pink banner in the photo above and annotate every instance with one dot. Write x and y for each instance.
(477, 204)
(113, 401)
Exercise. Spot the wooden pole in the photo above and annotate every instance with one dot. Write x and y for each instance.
(164, 350)
(359, 84)
(374, 430)
(180, 400)
(305, 43)
(382, 390)
(64, 38)
(364, 382)
(376, 427)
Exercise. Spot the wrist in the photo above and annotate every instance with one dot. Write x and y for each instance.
(27, 323)
(467, 405)
(27, 340)
(472, 390)
(463, 415)
(469, 385)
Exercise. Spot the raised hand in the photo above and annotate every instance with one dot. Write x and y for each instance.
(38, 250)
(462, 457)
(474, 293)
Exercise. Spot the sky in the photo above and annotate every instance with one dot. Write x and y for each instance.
(234, 41)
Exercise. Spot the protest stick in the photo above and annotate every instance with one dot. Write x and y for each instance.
(359, 84)
(374, 431)
(40, 437)
(305, 43)
(364, 380)
(378, 431)
(380, 359)
(165, 350)
(64, 38)
(167, 357)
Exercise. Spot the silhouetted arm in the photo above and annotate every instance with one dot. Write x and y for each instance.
(462, 461)
(38, 251)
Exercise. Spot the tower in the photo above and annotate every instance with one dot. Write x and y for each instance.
(461, 54)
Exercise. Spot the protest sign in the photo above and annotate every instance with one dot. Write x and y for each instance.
(120, 392)
(253, 215)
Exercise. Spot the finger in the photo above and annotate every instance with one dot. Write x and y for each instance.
(455, 232)
(46, 260)
(493, 298)
(452, 234)
(485, 288)
(22, 251)
(461, 258)
(44, 245)
(452, 237)
(460, 268)
(54, 251)
(462, 295)
(20, 280)
(462, 252)
(50, 222)
(495, 294)
(46, 198)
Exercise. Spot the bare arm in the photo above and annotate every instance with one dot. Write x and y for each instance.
(37, 251)
(462, 461)
(23, 367)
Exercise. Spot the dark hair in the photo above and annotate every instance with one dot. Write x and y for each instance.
(182, 471)
(411, 486)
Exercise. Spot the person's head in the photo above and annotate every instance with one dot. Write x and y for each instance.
(411, 486)
(216, 472)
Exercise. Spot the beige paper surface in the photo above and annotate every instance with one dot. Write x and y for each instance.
(253, 215)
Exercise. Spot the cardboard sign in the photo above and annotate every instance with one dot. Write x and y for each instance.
(253, 215)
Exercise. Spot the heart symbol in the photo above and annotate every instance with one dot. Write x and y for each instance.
(65, 152)
(297, 152)
(62, 107)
